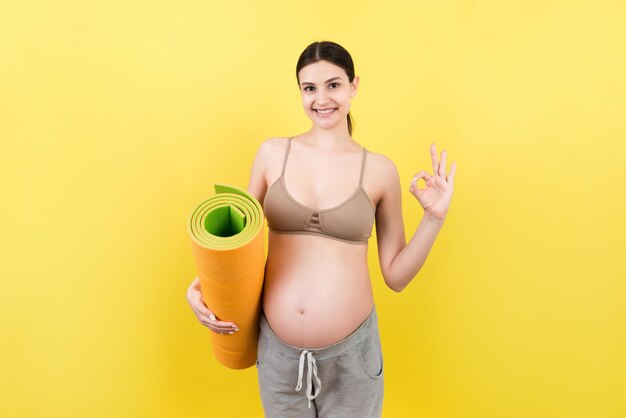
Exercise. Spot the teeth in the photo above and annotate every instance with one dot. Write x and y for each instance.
(324, 111)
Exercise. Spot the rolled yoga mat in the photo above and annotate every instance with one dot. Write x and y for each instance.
(227, 243)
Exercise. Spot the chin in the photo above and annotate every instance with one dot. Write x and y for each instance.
(325, 124)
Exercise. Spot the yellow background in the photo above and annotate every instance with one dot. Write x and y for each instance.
(116, 117)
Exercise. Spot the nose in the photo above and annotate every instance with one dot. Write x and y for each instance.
(322, 97)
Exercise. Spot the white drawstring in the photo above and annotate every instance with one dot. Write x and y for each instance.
(312, 369)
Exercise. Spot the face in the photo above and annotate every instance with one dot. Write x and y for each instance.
(326, 93)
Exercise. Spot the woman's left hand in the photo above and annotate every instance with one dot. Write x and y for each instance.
(436, 196)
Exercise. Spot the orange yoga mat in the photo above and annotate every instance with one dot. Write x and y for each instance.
(227, 242)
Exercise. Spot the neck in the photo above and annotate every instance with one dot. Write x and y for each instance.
(332, 138)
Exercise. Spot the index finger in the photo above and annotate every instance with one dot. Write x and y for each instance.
(216, 323)
(224, 324)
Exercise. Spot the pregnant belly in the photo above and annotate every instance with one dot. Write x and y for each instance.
(317, 291)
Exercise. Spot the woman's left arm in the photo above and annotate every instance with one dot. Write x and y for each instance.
(399, 261)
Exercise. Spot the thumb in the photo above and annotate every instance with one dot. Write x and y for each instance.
(420, 175)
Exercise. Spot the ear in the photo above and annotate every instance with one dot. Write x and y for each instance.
(354, 86)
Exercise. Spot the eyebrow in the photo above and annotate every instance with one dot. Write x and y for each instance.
(327, 81)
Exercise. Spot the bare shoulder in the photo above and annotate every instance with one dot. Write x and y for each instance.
(381, 176)
(268, 158)
(271, 148)
(381, 168)
(266, 162)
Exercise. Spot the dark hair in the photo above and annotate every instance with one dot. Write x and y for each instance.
(331, 52)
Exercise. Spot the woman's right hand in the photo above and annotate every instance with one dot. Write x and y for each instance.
(205, 316)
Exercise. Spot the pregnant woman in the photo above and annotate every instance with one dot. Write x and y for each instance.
(319, 351)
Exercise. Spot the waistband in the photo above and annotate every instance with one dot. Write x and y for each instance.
(363, 331)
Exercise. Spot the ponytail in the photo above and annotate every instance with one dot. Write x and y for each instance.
(349, 123)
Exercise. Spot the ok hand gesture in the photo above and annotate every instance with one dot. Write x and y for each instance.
(436, 196)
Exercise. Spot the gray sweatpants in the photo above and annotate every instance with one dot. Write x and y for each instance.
(342, 380)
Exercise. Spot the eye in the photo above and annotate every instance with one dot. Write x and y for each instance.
(334, 85)
(308, 88)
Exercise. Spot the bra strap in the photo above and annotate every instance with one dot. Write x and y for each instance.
(362, 167)
(286, 155)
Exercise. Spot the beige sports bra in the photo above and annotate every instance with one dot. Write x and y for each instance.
(350, 222)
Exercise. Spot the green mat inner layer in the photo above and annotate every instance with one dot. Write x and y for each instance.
(225, 221)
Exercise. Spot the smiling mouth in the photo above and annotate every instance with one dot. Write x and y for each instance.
(325, 112)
